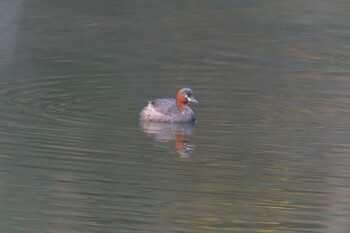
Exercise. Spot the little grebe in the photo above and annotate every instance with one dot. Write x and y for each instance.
(170, 110)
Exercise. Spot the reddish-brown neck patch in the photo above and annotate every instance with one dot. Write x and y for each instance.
(181, 100)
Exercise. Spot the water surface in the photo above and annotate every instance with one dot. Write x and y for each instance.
(269, 152)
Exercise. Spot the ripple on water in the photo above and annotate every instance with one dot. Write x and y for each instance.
(60, 98)
(62, 115)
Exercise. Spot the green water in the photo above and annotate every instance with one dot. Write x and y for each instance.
(270, 150)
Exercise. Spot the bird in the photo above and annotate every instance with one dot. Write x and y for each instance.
(170, 110)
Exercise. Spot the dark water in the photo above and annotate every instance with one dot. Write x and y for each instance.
(270, 151)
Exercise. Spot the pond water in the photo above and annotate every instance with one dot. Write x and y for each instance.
(270, 151)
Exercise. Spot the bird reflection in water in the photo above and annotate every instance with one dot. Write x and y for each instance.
(166, 133)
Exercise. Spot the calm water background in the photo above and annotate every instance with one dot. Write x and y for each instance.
(270, 151)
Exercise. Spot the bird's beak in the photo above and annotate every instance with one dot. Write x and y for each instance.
(191, 99)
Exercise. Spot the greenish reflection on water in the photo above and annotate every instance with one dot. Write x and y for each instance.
(269, 152)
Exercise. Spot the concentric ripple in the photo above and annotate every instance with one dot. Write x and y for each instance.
(63, 116)
(60, 98)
